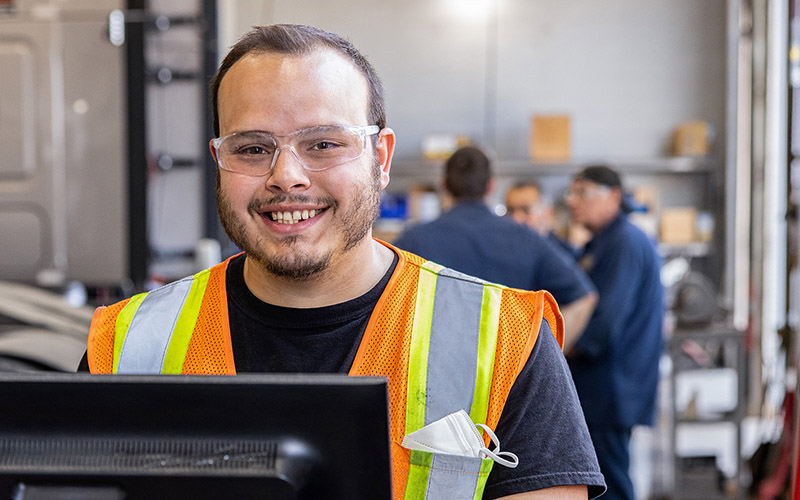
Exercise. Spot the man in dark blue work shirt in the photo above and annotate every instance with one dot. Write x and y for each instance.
(614, 362)
(471, 239)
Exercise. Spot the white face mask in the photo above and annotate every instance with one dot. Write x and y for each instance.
(456, 434)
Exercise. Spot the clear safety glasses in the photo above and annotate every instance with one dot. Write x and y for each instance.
(315, 148)
(586, 192)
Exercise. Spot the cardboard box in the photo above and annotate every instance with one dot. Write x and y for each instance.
(442, 146)
(678, 225)
(549, 138)
(692, 139)
(648, 195)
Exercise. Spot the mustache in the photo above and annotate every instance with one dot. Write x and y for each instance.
(256, 205)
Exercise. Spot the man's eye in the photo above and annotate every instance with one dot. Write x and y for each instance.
(253, 150)
(323, 145)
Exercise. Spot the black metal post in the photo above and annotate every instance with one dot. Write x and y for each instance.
(137, 148)
(213, 229)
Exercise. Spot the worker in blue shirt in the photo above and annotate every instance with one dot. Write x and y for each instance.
(471, 239)
(614, 363)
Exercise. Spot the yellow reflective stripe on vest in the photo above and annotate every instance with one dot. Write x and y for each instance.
(419, 470)
(486, 468)
(451, 365)
(155, 336)
(179, 343)
(418, 474)
(487, 346)
(418, 355)
(123, 323)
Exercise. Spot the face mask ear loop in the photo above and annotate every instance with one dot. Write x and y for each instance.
(511, 461)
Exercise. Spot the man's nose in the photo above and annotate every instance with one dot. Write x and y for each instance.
(287, 172)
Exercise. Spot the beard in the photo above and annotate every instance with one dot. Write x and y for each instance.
(353, 225)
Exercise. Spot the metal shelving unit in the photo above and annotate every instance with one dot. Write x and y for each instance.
(144, 28)
(649, 165)
(698, 477)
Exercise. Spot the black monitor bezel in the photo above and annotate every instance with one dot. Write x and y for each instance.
(342, 419)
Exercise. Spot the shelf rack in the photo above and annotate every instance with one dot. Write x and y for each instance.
(731, 346)
(648, 165)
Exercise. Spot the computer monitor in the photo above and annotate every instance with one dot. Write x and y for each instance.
(136, 437)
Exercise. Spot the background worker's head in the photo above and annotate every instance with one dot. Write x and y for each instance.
(282, 99)
(595, 197)
(526, 204)
(468, 174)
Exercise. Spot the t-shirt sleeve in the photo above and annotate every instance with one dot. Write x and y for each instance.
(559, 274)
(543, 424)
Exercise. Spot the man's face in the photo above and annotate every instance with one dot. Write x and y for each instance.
(279, 94)
(525, 206)
(593, 205)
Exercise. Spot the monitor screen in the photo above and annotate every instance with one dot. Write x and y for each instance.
(252, 436)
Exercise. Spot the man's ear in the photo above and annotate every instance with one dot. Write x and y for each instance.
(213, 151)
(617, 195)
(385, 152)
(490, 186)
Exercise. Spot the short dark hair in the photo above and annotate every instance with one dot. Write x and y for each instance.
(604, 175)
(296, 39)
(467, 174)
(600, 174)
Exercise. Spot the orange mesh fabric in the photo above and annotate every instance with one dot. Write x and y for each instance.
(210, 350)
(553, 316)
(100, 347)
(414, 259)
(386, 354)
(520, 318)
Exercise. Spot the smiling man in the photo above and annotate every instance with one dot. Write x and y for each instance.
(303, 152)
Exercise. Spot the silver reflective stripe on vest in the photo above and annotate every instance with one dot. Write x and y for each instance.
(452, 273)
(453, 347)
(452, 476)
(151, 328)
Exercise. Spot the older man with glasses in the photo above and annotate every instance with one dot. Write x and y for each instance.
(615, 361)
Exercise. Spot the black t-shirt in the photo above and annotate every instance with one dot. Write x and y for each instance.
(542, 421)
(268, 338)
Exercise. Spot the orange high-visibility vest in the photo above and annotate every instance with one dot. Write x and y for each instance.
(430, 323)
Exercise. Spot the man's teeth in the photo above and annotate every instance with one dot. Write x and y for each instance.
(293, 217)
